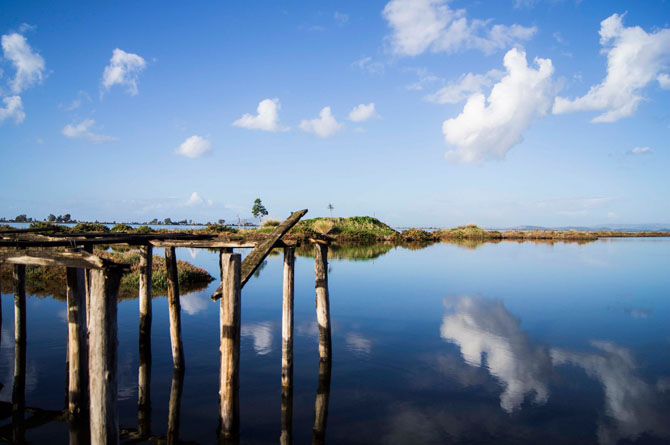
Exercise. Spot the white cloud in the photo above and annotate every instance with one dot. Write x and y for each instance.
(468, 84)
(488, 127)
(358, 343)
(76, 103)
(29, 65)
(325, 126)
(194, 199)
(194, 302)
(641, 151)
(485, 328)
(81, 131)
(664, 81)
(367, 64)
(421, 25)
(635, 58)
(194, 147)
(363, 112)
(123, 69)
(341, 18)
(13, 109)
(267, 118)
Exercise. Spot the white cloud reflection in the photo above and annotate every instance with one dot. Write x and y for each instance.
(261, 333)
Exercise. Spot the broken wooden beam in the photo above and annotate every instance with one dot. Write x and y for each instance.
(262, 250)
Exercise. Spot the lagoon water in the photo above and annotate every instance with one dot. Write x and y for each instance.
(492, 343)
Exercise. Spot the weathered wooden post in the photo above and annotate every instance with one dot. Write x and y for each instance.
(175, 406)
(144, 372)
(230, 313)
(103, 355)
(88, 247)
(287, 317)
(19, 387)
(77, 342)
(321, 404)
(322, 299)
(174, 307)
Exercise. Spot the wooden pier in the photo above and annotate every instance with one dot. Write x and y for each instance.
(92, 297)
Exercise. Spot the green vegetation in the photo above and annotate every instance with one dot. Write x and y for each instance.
(50, 281)
(354, 228)
(122, 228)
(258, 210)
(90, 227)
(270, 223)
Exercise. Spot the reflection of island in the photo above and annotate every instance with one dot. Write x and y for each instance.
(351, 252)
(484, 327)
(635, 406)
(489, 335)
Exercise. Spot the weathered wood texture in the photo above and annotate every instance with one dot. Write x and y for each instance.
(103, 356)
(82, 260)
(322, 300)
(230, 319)
(144, 372)
(77, 342)
(174, 308)
(261, 251)
(174, 409)
(19, 387)
(287, 318)
(321, 403)
(87, 277)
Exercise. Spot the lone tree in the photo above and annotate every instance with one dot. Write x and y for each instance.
(258, 210)
(330, 207)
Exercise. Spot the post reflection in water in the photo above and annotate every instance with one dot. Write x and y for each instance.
(321, 404)
(286, 437)
(19, 388)
(175, 405)
(144, 387)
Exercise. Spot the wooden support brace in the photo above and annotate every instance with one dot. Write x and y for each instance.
(175, 308)
(287, 318)
(322, 300)
(102, 368)
(230, 319)
(77, 342)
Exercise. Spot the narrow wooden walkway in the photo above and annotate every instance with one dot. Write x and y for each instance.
(92, 296)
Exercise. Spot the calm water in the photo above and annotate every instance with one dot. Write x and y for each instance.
(499, 343)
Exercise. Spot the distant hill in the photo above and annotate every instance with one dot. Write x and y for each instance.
(651, 227)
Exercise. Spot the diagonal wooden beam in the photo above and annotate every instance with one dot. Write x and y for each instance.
(262, 250)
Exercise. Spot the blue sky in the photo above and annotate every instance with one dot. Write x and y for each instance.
(421, 112)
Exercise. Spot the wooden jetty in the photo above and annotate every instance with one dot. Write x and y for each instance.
(92, 296)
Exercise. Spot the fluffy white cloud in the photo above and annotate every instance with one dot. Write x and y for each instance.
(123, 69)
(82, 131)
(419, 25)
(13, 109)
(641, 150)
(363, 112)
(267, 118)
(664, 81)
(485, 328)
(488, 128)
(635, 58)
(324, 126)
(194, 147)
(194, 199)
(29, 65)
(468, 84)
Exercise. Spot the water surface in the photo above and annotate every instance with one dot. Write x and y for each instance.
(498, 342)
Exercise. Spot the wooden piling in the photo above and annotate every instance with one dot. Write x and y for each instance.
(321, 403)
(77, 341)
(19, 387)
(103, 355)
(322, 300)
(287, 317)
(230, 313)
(175, 406)
(144, 372)
(174, 307)
(87, 278)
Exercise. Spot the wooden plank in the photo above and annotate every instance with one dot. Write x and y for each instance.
(322, 300)
(174, 308)
(103, 356)
(83, 260)
(77, 344)
(213, 244)
(287, 318)
(230, 323)
(74, 240)
(262, 250)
